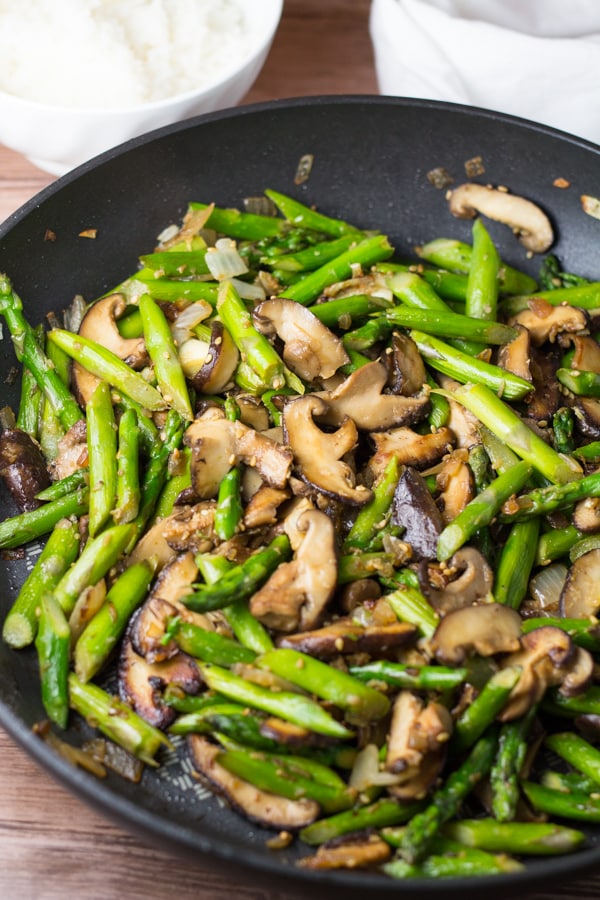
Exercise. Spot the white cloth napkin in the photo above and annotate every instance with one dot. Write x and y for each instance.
(539, 59)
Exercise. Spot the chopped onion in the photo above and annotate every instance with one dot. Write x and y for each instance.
(546, 587)
(224, 261)
(188, 318)
(366, 771)
(249, 291)
(192, 354)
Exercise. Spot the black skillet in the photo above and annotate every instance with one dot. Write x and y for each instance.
(371, 160)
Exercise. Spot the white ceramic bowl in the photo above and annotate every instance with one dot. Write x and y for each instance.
(59, 138)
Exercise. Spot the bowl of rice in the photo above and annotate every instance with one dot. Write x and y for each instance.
(82, 76)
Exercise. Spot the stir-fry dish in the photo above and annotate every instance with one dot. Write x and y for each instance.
(330, 519)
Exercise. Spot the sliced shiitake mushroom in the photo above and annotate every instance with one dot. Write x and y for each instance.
(454, 480)
(545, 322)
(22, 467)
(415, 511)
(359, 850)
(515, 356)
(100, 324)
(215, 366)
(409, 447)
(360, 398)
(406, 369)
(346, 636)
(318, 454)
(419, 733)
(580, 597)
(141, 683)
(268, 810)
(485, 630)
(525, 218)
(310, 349)
(296, 595)
(467, 578)
(586, 353)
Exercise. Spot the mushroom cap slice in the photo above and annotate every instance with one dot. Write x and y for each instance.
(515, 355)
(318, 454)
(220, 362)
(406, 369)
(580, 597)
(141, 683)
(544, 321)
(485, 630)
(360, 398)
(311, 350)
(472, 582)
(409, 447)
(545, 657)
(417, 744)
(456, 485)
(100, 324)
(345, 636)
(296, 594)
(526, 219)
(355, 851)
(415, 510)
(259, 806)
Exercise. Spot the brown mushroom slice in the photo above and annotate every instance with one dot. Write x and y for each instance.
(263, 506)
(216, 371)
(485, 630)
(211, 440)
(545, 322)
(544, 657)
(470, 581)
(356, 851)
(163, 603)
(319, 454)
(141, 683)
(586, 353)
(415, 511)
(409, 447)
(253, 412)
(186, 525)
(264, 452)
(580, 597)
(360, 398)
(310, 349)
(268, 810)
(72, 452)
(456, 485)
(406, 369)
(100, 324)
(587, 417)
(22, 467)
(580, 674)
(586, 515)
(296, 595)
(515, 356)
(417, 740)
(545, 398)
(345, 636)
(530, 223)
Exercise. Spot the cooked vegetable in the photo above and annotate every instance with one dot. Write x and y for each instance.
(331, 520)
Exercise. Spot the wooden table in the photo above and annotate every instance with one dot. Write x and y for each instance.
(51, 844)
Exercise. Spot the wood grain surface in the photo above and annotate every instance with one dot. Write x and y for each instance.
(52, 845)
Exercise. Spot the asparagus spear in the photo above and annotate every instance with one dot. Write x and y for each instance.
(313, 257)
(506, 770)
(449, 324)
(517, 557)
(116, 720)
(53, 641)
(366, 252)
(360, 702)
(586, 384)
(457, 256)
(242, 580)
(98, 557)
(482, 509)
(102, 454)
(59, 552)
(33, 357)
(577, 751)
(298, 214)
(209, 646)
(108, 367)
(410, 605)
(99, 637)
(574, 805)
(163, 353)
(28, 526)
(509, 428)
(241, 225)
(520, 838)
(479, 714)
(401, 675)
(467, 369)
(77, 479)
(343, 312)
(372, 517)
(541, 501)
(482, 285)
(296, 708)
(446, 801)
(375, 815)
(31, 396)
(128, 493)
(586, 296)
(450, 859)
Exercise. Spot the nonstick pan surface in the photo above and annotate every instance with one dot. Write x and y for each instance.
(371, 160)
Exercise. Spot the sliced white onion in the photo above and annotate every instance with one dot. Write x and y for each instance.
(249, 291)
(188, 318)
(224, 261)
(167, 233)
(366, 772)
(546, 587)
(192, 354)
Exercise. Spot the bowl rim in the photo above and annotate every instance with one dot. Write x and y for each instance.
(274, 9)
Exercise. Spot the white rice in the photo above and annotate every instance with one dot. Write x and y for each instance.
(104, 53)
